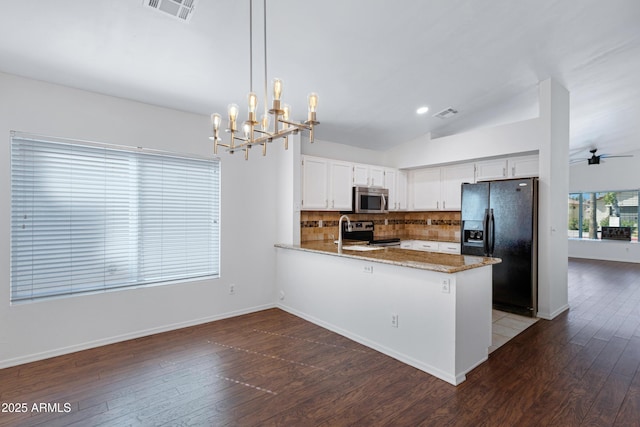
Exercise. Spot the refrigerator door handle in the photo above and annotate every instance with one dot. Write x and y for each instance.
(485, 233)
(492, 226)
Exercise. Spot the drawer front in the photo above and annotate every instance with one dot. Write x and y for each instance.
(426, 246)
(406, 244)
(450, 248)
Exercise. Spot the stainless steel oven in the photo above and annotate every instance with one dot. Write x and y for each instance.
(370, 200)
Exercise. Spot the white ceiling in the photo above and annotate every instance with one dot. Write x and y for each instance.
(372, 62)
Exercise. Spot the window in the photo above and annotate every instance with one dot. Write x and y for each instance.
(91, 217)
(589, 212)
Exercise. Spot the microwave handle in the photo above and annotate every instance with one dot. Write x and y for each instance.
(384, 202)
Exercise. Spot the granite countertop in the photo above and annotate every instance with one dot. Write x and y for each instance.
(433, 261)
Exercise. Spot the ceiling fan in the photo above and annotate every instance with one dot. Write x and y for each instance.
(595, 160)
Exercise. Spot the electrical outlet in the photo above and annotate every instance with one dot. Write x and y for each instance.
(428, 221)
(232, 289)
(281, 295)
(386, 221)
(394, 320)
(320, 224)
(446, 286)
(368, 269)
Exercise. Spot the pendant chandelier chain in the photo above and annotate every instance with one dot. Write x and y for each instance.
(250, 45)
(265, 57)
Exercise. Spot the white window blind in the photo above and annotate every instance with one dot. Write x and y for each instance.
(90, 217)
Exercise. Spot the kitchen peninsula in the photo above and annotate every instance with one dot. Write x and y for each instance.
(429, 310)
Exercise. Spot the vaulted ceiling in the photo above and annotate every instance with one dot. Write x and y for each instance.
(372, 62)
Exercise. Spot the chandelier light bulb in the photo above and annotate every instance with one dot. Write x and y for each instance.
(277, 89)
(246, 129)
(216, 120)
(264, 123)
(286, 113)
(232, 109)
(252, 100)
(313, 102)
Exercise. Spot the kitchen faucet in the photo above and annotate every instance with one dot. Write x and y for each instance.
(340, 231)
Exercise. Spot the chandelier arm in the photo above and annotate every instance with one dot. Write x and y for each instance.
(298, 125)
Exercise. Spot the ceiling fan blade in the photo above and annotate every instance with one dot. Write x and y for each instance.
(606, 156)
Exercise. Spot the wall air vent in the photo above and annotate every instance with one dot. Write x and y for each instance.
(179, 9)
(446, 113)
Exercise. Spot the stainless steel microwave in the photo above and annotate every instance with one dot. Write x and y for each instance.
(370, 200)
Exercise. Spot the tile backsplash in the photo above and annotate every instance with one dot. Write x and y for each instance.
(441, 226)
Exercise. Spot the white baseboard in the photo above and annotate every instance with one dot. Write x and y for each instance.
(551, 316)
(124, 337)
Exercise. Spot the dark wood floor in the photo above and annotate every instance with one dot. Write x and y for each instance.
(271, 368)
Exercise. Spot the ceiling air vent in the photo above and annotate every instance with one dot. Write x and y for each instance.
(446, 113)
(179, 9)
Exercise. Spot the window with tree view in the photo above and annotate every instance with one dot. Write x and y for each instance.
(604, 215)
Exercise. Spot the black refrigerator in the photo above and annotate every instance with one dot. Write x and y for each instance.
(499, 219)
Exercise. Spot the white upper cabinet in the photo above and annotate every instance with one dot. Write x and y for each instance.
(452, 179)
(505, 168)
(439, 188)
(487, 170)
(425, 189)
(368, 175)
(396, 182)
(401, 195)
(326, 184)
(314, 183)
(340, 178)
(524, 166)
(390, 182)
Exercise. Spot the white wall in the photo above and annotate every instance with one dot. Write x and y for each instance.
(31, 331)
(332, 150)
(513, 138)
(613, 174)
(553, 260)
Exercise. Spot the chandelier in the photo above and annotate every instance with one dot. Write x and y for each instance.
(260, 132)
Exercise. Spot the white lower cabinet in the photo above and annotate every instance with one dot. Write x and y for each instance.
(423, 245)
(431, 246)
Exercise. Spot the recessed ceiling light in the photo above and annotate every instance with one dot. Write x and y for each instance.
(422, 110)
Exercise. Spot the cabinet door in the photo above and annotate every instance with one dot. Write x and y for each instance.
(340, 178)
(491, 169)
(401, 190)
(314, 183)
(361, 175)
(390, 184)
(425, 189)
(524, 166)
(452, 179)
(376, 176)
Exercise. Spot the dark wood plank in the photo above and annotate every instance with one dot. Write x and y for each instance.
(273, 368)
